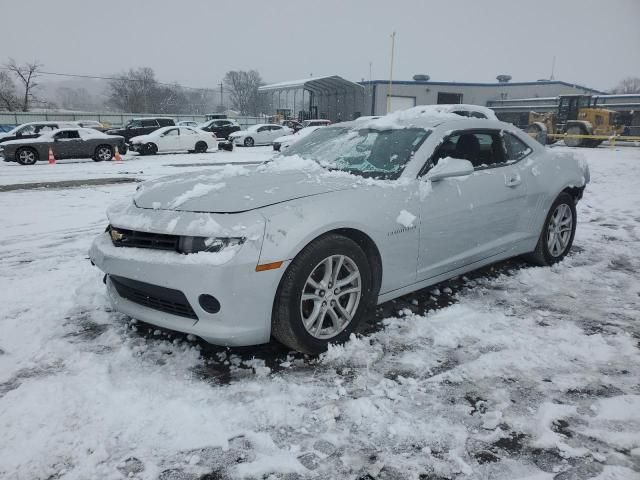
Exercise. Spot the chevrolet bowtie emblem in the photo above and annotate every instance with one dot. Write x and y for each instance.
(116, 235)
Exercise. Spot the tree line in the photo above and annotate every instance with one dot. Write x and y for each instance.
(134, 91)
(138, 91)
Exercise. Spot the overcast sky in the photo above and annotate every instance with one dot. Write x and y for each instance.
(194, 42)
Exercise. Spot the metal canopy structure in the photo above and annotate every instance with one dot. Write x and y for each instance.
(330, 97)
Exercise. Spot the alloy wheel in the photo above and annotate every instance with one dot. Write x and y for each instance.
(559, 230)
(27, 157)
(104, 153)
(330, 296)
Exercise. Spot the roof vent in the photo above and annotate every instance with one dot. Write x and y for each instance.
(503, 78)
(421, 77)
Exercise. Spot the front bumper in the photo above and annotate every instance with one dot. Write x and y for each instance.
(245, 296)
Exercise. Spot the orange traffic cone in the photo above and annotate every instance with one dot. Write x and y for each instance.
(52, 159)
(117, 156)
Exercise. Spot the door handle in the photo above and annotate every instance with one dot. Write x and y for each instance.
(513, 180)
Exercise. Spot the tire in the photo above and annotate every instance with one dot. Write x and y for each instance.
(575, 142)
(103, 153)
(332, 307)
(150, 149)
(201, 147)
(547, 252)
(27, 156)
(248, 142)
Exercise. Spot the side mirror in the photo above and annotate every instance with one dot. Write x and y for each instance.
(449, 167)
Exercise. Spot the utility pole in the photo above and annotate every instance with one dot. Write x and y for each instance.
(221, 104)
(393, 46)
(553, 67)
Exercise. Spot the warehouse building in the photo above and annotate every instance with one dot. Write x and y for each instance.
(422, 91)
(337, 99)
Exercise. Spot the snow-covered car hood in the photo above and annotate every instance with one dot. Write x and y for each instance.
(139, 139)
(287, 138)
(241, 191)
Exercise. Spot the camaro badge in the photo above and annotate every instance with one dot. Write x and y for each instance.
(116, 235)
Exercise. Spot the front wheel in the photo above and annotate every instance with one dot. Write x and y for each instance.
(557, 233)
(323, 295)
(248, 142)
(150, 149)
(26, 156)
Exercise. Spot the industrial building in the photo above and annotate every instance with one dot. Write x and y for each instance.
(422, 91)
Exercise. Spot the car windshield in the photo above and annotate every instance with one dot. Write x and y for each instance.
(253, 128)
(367, 152)
(134, 124)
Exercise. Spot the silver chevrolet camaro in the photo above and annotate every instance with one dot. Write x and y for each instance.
(302, 247)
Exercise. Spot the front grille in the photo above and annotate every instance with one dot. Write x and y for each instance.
(159, 298)
(132, 238)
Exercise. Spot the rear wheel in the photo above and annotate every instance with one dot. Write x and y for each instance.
(323, 295)
(201, 147)
(103, 153)
(27, 156)
(248, 142)
(557, 233)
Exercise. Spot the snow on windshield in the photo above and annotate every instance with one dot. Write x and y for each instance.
(367, 152)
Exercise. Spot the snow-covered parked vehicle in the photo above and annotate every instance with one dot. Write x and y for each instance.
(174, 139)
(64, 143)
(302, 247)
(260, 134)
(286, 141)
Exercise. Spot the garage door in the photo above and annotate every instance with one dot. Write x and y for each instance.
(402, 103)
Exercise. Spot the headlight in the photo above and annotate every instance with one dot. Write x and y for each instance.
(207, 244)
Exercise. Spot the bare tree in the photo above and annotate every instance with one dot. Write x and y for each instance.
(628, 85)
(26, 73)
(134, 91)
(8, 99)
(243, 87)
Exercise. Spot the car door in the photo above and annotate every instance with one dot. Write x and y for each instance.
(275, 132)
(187, 138)
(263, 134)
(169, 140)
(465, 220)
(66, 144)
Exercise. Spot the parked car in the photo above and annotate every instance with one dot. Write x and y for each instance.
(318, 122)
(173, 139)
(187, 123)
(141, 126)
(221, 127)
(292, 124)
(65, 143)
(260, 134)
(92, 124)
(34, 130)
(286, 141)
(301, 248)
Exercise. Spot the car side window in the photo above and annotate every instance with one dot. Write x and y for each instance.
(276, 128)
(67, 134)
(263, 129)
(149, 123)
(171, 133)
(187, 131)
(516, 149)
(483, 148)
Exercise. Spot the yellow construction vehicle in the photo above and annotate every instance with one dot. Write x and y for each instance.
(578, 121)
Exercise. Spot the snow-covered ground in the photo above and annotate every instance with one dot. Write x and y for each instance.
(512, 373)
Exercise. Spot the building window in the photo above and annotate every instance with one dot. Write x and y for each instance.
(445, 97)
